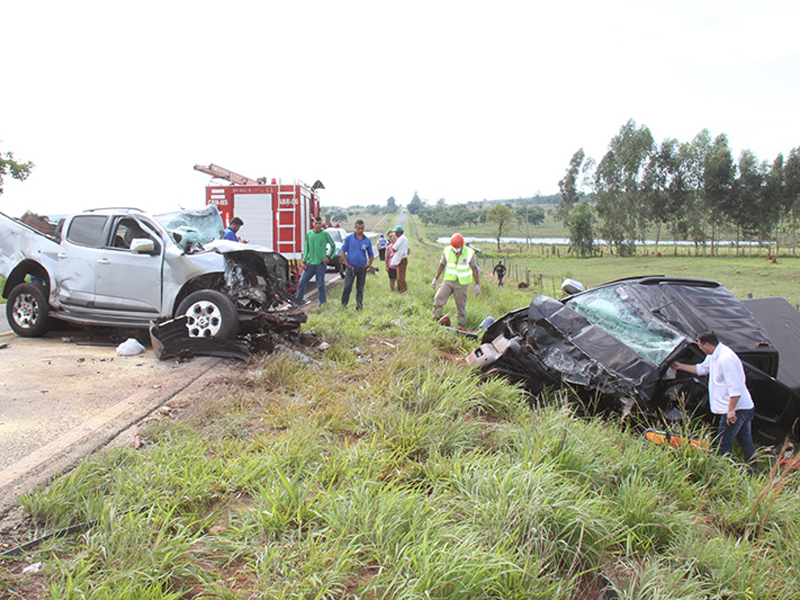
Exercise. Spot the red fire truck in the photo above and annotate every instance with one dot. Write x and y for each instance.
(275, 214)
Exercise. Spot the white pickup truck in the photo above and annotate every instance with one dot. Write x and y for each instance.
(121, 267)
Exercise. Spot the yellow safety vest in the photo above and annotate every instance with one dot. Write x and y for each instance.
(457, 267)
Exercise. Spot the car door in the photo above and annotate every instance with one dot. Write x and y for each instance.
(75, 271)
(128, 284)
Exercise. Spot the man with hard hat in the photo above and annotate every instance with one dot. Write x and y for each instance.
(460, 268)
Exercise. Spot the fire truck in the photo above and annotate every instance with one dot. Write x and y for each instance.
(275, 214)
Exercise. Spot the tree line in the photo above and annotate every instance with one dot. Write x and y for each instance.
(693, 190)
(454, 216)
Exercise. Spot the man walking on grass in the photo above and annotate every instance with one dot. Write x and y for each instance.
(460, 268)
(357, 257)
(727, 394)
(320, 248)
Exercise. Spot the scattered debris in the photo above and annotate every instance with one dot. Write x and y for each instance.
(171, 339)
(130, 347)
(303, 358)
(34, 568)
(2, 346)
(660, 438)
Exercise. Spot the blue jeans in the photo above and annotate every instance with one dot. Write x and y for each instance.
(741, 430)
(317, 271)
(360, 275)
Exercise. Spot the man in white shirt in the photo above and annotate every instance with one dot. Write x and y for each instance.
(400, 258)
(727, 394)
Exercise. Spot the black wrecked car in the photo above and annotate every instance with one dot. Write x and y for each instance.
(614, 345)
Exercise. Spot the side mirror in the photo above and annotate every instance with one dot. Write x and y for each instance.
(570, 286)
(142, 246)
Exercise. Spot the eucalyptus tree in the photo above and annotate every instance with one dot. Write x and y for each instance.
(791, 188)
(747, 211)
(665, 186)
(569, 187)
(775, 197)
(579, 220)
(620, 185)
(693, 157)
(719, 175)
(581, 228)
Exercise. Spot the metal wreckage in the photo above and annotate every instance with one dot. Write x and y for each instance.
(615, 343)
(170, 273)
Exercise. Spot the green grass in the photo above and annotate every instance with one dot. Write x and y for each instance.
(393, 471)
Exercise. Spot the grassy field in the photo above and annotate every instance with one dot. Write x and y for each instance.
(390, 470)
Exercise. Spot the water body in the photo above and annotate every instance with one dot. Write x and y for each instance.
(565, 241)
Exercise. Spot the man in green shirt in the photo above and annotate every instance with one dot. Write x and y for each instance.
(320, 248)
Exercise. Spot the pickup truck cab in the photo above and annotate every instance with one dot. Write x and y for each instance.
(122, 267)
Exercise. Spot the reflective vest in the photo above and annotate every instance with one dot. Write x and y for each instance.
(457, 268)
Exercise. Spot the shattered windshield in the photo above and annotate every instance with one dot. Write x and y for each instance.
(615, 311)
(193, 226)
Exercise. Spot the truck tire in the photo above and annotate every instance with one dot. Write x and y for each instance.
(27, 310)
(210, 314)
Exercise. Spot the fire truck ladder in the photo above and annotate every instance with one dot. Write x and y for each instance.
(222, 173)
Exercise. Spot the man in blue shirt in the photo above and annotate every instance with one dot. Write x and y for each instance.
(233, 229)
(357, 257)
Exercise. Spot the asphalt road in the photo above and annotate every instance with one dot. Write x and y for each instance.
(64, 395)
(67, 394)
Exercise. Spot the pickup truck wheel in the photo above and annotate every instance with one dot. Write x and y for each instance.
(27, 309)
(210, 314)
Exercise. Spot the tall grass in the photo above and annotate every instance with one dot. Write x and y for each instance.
(390, 470)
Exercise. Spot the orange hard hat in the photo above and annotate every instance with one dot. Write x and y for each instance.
(457, 240)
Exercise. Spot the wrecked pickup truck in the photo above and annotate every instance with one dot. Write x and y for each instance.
(614, 345)
(121, 267)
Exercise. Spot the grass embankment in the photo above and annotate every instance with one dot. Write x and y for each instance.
(392, 471)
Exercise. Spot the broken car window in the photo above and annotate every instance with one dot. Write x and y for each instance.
(193, 226)
(614, 310)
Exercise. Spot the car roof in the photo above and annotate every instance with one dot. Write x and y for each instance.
(694, 305)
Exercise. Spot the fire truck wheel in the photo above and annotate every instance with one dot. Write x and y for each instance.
(27, 308)
(210, 314)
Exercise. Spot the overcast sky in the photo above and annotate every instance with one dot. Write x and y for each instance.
(115, 102)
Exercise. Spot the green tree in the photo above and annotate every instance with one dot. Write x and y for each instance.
(391, 205)
(17, 169)
(693, 158)
(665, 186)
(416, 204)
(501, 215)
(775, 197)
(719, 174)
(581, 229)
(620, 187)
(791, 189)
(569, 188)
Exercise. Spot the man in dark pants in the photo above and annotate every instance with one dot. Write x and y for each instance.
(357, 257)
(727, 394)
(500, 271)
(318, 253)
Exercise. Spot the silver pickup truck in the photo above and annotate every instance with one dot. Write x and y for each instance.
(121, 267)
